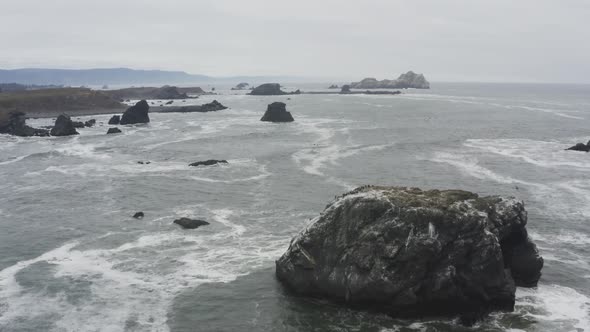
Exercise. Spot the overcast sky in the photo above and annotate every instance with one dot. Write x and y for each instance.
(451, 40)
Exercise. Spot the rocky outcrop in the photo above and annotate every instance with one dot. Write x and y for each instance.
(136, 114)
(114, 120)
(580, 147)
(268, 89)
(188, 223)
(64, 126)
(210, 107)
(414, 253)
(169, 92)
(404, 81)
(114, 130)
(241, 86)
(209, 162)
(138, 215)
(333, 86)
(277, 112)
(78, 124)
(345, 89)
(90, 123)
(14, 123)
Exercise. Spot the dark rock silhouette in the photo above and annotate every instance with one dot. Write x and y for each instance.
(580, 147)
(209, 107)
(209, 162)
(78, 124)
(414, 253)
(268, 89)
(241, 86)
(114, 120)
(136, 114)
(333, 86)
(138, 215)
(64, 126)
(277, 112)
(90, 123)
(14, 123)
(114, 130)
(345, 89)
(404, 81)
(190, 223)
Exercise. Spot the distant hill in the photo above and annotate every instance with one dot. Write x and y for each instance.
(77, 77)
(120, 76)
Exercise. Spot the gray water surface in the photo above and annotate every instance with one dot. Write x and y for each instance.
(73, 259)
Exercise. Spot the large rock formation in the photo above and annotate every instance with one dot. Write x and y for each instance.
(268, 89)
(64, 126)
(409, 252)
(14, 123)
(404, 81)
(277, 112)
(136, 114)
(210, 107)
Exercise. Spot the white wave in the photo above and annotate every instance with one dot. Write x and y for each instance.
(137, 281)
(14, 160)
(564, 236)
(539, 153)
(557, 308)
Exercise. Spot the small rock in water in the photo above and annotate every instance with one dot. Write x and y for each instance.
(90, 123)
(138, 215)
(580, 147)
(115, 120)
(277, 112)
(210, 162)
(144, 162)
(190, 223)
(64, 126)
(114, 131)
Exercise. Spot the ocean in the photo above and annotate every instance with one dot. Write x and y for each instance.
(72, 258)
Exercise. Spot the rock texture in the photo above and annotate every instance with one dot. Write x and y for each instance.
(268, 89)
(190, 223)
(210, 107)
(580, 147)
(136, 114)
(209, 162)
(115, 120)
(277, 112)
(90, 123)
(404, 81)
(409, 252)
(64, 126)
(114, 130)
(241, 86)
(14, 123)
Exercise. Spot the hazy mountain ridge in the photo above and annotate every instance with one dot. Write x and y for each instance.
(114, 76)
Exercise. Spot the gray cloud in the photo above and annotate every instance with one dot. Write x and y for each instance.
(500, 40)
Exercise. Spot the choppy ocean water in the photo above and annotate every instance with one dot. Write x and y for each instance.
(73, 259)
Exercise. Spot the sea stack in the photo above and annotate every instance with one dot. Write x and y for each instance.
(14, 123)
(114, 120)
(409, 252)
(277, 112)
(136, 114)
(64, 126)
(268, 89)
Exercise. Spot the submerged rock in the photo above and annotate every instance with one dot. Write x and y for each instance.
(114, 130)
(277, 112)
(64, 126)
(190, 223)
(115, 120)
(138, 215)
(268, 89)
(14, 123)
(136, 114)
(414, 253)
(209, 162)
